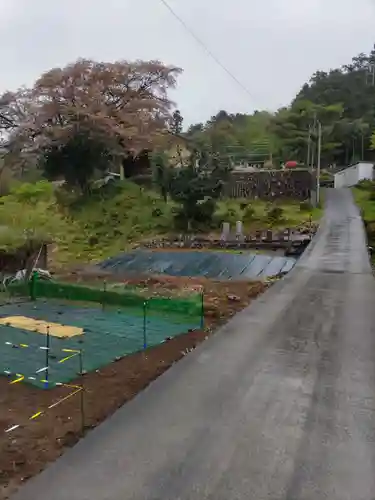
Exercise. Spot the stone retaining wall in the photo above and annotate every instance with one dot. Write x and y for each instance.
(270, 184)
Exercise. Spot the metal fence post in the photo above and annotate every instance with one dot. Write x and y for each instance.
(202, 308)
(82, 392)
(32, 285)
(48, 344)
(104, 292)
(145, 325)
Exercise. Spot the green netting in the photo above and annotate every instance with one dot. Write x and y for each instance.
(189, 306)
(109, 332)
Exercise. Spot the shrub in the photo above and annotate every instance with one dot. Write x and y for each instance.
(305, 206)
(200, 216)
(366, 185)
(157, 212)
(248, 213)
(274, 214)
(6, 181)
(227, 212)
(33, 193)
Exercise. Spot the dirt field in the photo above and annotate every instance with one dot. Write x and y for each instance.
(27, 450)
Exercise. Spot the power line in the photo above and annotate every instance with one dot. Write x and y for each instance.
(206, 49)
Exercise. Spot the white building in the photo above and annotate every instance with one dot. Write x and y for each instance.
(352, 175)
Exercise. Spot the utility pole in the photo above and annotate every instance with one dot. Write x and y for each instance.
(370, 75)
(319, 162)
(308, 149)
(312, 142)
(121, 168)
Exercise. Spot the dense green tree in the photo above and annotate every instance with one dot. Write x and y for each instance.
(176, 130)
(196, 187)
(75, 160)
(293, 126)
(162, 174)
(239, 137)
(176, 123)
(342, 100)
(353, 88)
(373, 141)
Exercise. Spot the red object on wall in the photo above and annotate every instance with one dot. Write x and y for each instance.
(291, 164)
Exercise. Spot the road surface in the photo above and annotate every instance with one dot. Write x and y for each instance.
(279, 405)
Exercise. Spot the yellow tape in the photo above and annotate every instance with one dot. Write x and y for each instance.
(19, 379)
(66, 397)
(42, 412)
(67, 358)
(15, 345)
(36, 415)
(11, 344)
(57, 384)
(69, 385)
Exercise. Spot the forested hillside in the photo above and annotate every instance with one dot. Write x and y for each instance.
(342, 99)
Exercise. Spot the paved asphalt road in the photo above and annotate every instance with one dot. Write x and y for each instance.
(279, 405)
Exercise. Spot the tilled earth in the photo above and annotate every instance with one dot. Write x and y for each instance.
(27, 450)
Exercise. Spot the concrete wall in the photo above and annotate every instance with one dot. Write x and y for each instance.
(355, 173)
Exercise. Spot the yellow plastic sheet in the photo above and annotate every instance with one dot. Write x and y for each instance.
(40, 326)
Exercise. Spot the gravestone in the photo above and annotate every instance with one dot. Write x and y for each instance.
(225, 231)
(239, 231)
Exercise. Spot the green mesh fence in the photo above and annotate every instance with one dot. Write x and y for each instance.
(114, 324)
(191, 306)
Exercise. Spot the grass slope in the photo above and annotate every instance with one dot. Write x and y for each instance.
(364, 196)
(256, 213)
(112, 219)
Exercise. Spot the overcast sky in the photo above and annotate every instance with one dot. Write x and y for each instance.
(271, 46)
